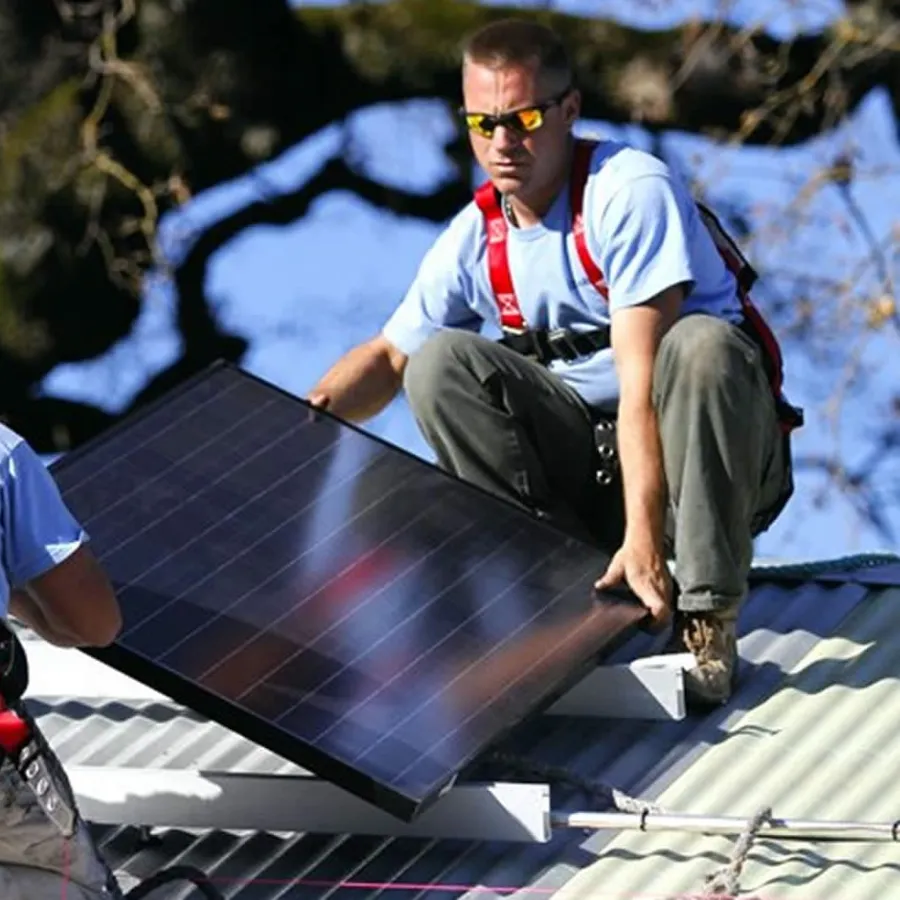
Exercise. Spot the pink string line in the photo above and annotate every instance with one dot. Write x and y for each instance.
(66, 869)
(382, 886)
(458, 888)
(438, 887)
(417, 887)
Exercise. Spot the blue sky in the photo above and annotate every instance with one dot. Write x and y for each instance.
(305, 293)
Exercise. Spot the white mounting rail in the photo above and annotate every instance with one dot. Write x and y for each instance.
(650, 688)
(172, 798)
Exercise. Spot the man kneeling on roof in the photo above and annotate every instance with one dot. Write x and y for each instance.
(50, 580)
(634, 397)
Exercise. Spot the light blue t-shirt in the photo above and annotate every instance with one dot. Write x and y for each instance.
(643, 230)
(37, 530)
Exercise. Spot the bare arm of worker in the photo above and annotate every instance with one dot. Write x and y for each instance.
(24, 608)
(71, 605)
(367, 379)
(361, 383)
(636, 333)
(57, 587)
(641, 227)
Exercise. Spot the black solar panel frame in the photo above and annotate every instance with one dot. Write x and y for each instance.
(256, 729)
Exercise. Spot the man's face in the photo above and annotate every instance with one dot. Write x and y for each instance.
(519, 162)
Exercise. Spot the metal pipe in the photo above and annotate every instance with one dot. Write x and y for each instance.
(785, 829)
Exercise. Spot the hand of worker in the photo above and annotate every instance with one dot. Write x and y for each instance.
(318, 400)
(644, 570)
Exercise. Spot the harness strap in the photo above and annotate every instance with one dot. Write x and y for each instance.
(581, 168)
(754, 325)
(488, 201)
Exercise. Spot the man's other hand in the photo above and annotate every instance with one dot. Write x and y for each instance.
(318, 400)
(645, 572)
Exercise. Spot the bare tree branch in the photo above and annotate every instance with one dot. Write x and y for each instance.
(282, 209)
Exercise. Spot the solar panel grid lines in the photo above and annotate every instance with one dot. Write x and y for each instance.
(112, 527)
(302, 498)
(447, 636)
(476, 666)
(238, 428)
(248, 549)
(186, 499)
(211, 572)
(339, 601)
(412, 663)
(111, 554)
(496, 670)
(192, 398)
(334, 625)
(350, 661)
(320, 589)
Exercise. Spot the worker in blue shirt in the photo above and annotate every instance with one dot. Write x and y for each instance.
(51, 582)
(580, 341)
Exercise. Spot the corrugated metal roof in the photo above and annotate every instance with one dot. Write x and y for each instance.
(785, 629)
(823, 747)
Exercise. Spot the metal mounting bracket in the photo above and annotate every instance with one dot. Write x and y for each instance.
(177, 798)
(648, 688)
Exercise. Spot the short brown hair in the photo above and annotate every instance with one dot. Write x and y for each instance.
(515, 41)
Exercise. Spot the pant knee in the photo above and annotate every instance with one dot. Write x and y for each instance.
(443, 360)
(703, 356)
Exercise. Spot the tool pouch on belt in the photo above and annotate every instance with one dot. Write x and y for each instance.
(605, 438)
(21, 743)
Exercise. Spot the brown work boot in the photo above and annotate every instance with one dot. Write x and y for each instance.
(711, 638)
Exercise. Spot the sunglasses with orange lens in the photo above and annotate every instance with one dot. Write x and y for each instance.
(523, 121)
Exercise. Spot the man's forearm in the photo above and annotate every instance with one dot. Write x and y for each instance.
(24, 608)
(361, 383)
(643, 474)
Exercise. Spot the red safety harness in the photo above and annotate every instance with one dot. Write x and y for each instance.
(513, 322)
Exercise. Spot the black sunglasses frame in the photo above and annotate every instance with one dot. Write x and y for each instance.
(510, 119)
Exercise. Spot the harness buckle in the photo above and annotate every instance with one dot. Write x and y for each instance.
(562, 343)
(526, 342)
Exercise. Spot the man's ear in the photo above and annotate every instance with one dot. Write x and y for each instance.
(572, 107)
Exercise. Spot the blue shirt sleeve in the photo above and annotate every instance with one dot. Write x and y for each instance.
(38, 530)
(441, 295)
(642, 238)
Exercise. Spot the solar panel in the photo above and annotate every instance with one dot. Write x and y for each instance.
(337, 600)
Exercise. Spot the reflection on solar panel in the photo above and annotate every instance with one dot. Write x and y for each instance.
(338, 601)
